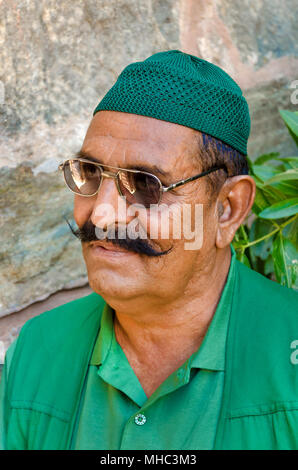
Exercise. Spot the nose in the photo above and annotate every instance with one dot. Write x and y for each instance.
(109, 208)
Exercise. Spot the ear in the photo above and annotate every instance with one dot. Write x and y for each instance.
(235, 200)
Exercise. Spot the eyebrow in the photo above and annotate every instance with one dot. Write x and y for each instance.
(153, 169)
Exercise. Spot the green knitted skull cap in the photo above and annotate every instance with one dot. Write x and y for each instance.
(177, 87)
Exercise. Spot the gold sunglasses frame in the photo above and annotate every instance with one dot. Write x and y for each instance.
(108, 174)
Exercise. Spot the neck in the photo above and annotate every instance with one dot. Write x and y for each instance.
(157, 340)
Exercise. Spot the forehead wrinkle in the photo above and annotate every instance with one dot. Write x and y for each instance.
(117, 149)
(113, 151)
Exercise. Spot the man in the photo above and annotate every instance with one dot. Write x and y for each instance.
(180, 346)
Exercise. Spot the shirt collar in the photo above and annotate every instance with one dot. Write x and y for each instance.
(104, 340)
(115, 368)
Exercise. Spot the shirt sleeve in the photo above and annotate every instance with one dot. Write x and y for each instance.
(3, 397)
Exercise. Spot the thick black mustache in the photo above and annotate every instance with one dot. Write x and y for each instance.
(87, 233)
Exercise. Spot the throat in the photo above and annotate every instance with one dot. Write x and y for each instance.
(152, 365)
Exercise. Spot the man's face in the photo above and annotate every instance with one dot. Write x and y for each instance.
(169, 151)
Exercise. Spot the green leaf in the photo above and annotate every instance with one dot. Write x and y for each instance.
(242, 258)
(285, 258)
(288, 188)
(284, 176)
(270, 193)
(286, 182)
(264, 172)
(276, 198)
(281, 209)
(291, 161)
(265, 158)
(291, 120)
(239, 246)
(245, 261)
(269, 265)
(260, 228)
(290, 232)
(260, 202)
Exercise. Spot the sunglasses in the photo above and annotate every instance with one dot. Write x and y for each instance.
(138, 187)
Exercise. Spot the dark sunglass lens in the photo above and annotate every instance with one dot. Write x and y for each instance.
(81, 177)
(139, 188)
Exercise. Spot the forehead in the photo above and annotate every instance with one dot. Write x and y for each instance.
(117, 138)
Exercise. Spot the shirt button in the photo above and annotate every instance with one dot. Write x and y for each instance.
(140, 419)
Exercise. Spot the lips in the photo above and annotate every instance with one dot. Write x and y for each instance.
(108, 246)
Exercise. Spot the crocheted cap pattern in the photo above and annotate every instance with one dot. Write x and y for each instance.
(184, 89)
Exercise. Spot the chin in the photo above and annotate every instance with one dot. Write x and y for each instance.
(114, 286)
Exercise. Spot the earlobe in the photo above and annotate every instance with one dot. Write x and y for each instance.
(236, 199)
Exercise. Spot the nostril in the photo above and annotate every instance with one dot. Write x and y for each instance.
(102, 213)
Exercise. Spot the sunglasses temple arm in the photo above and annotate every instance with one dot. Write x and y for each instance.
(192, 178)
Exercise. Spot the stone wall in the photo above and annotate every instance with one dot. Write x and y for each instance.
(57, 60)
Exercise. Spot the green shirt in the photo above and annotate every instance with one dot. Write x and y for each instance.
(182, 413)
(44, 376)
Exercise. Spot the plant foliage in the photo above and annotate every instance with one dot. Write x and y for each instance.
(268, 240)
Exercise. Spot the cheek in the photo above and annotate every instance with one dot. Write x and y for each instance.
(180, 222)
(162, 223)
(210, 225)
